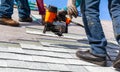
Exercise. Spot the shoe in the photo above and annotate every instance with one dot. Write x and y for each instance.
(89, 57)
(116, 63)
(29, 19)
(8, 21)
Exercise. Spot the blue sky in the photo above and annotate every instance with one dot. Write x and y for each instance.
(104, 14)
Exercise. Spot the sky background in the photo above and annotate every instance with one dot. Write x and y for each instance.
(104, 14)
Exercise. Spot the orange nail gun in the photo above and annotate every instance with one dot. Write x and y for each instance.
(50, 17)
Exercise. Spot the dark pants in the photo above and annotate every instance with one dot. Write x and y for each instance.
(6, 8)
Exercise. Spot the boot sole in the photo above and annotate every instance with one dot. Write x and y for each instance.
(2, 23)
(116, 64)
(100, 63)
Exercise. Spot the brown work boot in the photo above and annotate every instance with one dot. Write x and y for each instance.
(89, 57)
(8, 21)
(116, 63)
(29, 19)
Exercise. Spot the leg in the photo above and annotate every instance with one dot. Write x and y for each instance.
(93, 27)
(6, 11)
(41, 9)
(114, 9)
(6, 8)
(94, 31)
(24, 10)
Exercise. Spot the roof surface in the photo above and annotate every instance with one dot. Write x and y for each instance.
(27, 49)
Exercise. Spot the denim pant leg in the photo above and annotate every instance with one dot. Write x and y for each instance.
(6, 8)
(23, 8)
(93, 28)
(114, 9)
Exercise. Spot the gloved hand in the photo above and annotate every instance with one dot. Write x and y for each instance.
(71, 8)
(61, 15)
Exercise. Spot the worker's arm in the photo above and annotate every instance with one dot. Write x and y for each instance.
(41, 8)
(71, 8)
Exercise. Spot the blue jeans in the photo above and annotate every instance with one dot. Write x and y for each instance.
(114, 9)
(6, 8)
(93, 28)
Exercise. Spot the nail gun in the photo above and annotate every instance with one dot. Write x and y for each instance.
(50, 18)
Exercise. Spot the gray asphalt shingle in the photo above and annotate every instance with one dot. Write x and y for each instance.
(23, 59)
(40, 47)
(58, 67)
(3, 63)
(17, 64)
(34, 53)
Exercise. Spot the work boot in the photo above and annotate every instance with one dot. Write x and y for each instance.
(89, 57)
(29, 19)
(8, 21)
(116, 63)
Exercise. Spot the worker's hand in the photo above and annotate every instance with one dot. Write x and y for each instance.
(61, 15)
(71, 8)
